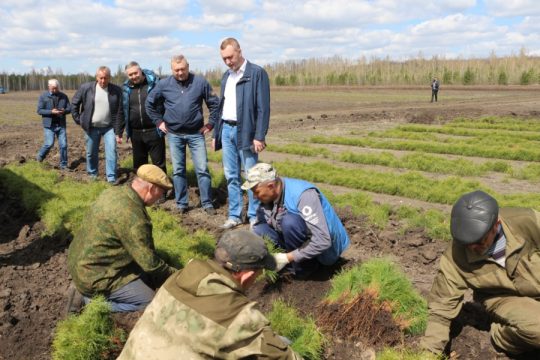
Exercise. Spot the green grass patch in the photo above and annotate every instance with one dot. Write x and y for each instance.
(530, 172)
(435, 223)
(300, 149)
(390, 284)
(497, 123)
(306, 338)
(89, 336)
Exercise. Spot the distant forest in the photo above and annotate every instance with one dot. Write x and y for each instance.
(519, 69)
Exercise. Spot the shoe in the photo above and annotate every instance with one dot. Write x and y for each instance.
(210, 210)
(115, 182)
(252, 223)
(75, 301)
(231, 223)
(39, 159)
(181, 210)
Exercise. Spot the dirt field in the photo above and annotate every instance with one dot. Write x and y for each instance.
(33, 274)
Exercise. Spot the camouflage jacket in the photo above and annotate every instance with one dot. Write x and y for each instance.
(461, 269)
(202, 313)
(114, 245)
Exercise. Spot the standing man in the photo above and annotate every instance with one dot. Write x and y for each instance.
(202, 311)
(53, 105)
(298, 218)
(146, 138)
(244, 119)
(434, 89)
(97, 108)
(112, 254)
(182, 95)
(496, 254)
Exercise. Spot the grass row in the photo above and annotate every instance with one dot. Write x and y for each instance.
(487, 151)
(497, 123)
(445, 191)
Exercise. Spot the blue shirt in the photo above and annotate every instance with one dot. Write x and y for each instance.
(182, 101)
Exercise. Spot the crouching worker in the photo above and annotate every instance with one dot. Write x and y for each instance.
(297, 217)
(497, 255)
(113, 252)
(201, 312)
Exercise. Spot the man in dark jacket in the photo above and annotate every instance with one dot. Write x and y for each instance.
(434, 89)
(182, 95)
(53, 105)
(97, 108)
(146, 138)
(244, 119)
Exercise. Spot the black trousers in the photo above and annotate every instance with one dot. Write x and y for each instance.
(434, 95)
(147, 142)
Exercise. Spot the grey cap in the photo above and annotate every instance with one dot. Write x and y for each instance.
(259, 173)
(243, 250)
(473, 216)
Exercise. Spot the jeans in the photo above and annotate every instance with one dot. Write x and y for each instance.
(131, 297)
(197, 147)
(294, 234)
(93, 138)
(147, 142)
(233, 162)
(49, 134)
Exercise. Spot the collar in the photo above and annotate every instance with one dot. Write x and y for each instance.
(241, 70)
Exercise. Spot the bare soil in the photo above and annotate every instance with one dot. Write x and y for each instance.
(33, 270)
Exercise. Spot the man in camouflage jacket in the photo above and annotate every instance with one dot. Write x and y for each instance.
(201, 312)
(113, 252)
(497, 255)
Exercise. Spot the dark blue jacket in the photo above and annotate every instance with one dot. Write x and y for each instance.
(46, 104)
(340, 240)
(252, 107)
(83, 106)
(183, 103)
(151, 79)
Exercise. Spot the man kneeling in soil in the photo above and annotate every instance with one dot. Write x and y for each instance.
(201, 312)
(497, 255)
(113, 252)
(297, 217)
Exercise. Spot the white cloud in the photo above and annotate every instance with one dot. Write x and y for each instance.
(506, 8)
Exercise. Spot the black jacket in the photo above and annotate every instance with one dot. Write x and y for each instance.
(83, 106)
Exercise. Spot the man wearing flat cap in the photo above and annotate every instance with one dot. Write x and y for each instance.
(201, 312)
(112, 253)
(496, 253)
(298, 218)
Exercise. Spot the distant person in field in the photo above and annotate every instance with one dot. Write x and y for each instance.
(53, 105)
(298, 218)
(434, 89)
(112, 253)
(244, 118)
(182, 95)
(496, 253)
(97, 108)
(146, 138)
(202, 312)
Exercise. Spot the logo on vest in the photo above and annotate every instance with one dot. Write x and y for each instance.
(309, 216)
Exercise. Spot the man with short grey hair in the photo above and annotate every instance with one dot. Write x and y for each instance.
(201, 312)
(97, 108)
(53, 105)
(182, 95)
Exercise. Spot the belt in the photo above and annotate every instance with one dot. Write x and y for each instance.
(230, 123)
(143, 130)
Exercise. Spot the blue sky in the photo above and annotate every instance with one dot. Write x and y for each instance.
(80, 35)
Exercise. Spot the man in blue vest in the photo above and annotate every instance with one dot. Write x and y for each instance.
(297, 217)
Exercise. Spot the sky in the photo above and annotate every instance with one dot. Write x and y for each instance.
(80, 35)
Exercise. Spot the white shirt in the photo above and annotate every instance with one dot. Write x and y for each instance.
(229, 104)
(102, 112)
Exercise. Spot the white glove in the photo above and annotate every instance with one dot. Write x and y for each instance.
(281, 261)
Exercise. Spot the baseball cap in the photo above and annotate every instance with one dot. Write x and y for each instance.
(154, 175)
(472, 217)
(241, 249)
(259, 173)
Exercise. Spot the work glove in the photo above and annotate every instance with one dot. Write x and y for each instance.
(281, 261)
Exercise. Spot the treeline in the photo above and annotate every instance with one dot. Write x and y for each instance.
(519, 69)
